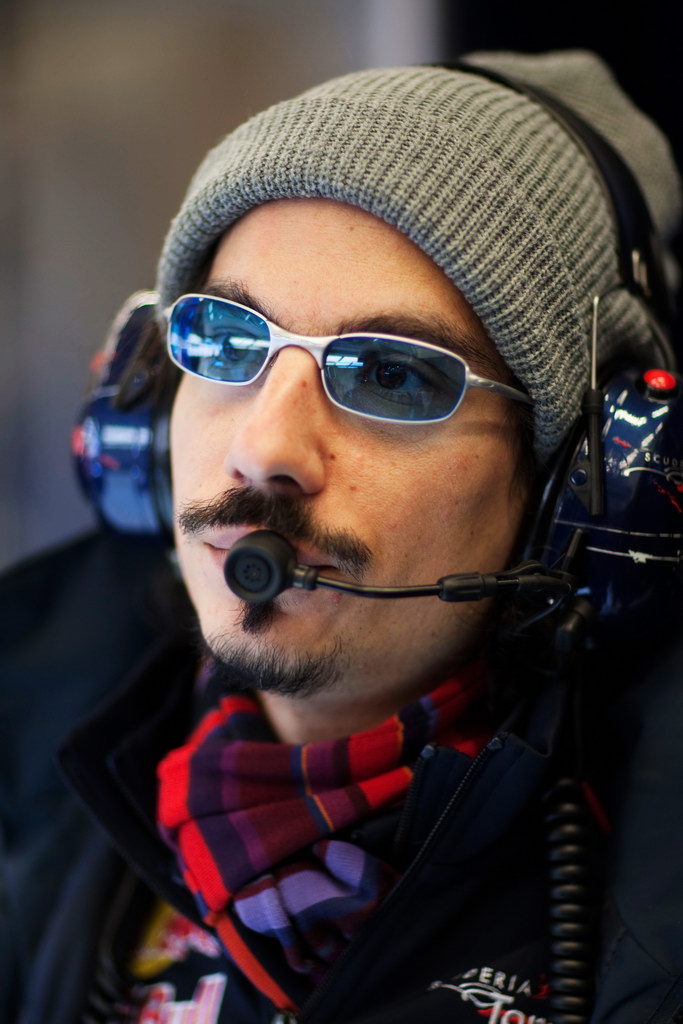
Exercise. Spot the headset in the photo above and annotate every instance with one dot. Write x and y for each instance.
(120, 442)
(611, 510)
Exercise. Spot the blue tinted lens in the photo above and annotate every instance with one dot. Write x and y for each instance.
(394, 380)
(217, 339)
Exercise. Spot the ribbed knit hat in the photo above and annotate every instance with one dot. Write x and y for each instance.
(482, 179)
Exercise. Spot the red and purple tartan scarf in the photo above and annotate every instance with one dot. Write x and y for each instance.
(252, 821)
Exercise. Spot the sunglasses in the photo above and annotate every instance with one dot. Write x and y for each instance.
(380, 376)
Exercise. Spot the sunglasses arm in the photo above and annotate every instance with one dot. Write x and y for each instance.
(506, 390)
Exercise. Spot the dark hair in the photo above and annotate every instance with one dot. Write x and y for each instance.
(150, 371)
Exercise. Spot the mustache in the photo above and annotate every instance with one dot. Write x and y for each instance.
(285, 514)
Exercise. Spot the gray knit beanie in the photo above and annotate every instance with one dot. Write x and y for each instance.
(482, 179)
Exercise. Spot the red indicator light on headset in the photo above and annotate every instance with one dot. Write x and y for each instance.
(660, 383)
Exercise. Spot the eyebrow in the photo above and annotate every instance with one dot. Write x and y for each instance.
(434, 329)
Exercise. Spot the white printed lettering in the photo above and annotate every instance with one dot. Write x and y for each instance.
(496, 1009)
(159, 1006)
(490, 992)
(156, 998)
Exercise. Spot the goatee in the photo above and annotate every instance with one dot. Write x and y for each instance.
(240, 669)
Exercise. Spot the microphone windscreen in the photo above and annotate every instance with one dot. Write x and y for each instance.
(260, 566)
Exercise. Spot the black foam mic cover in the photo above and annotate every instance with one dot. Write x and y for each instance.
(260, 566)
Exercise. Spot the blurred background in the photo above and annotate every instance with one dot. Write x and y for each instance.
(107, 108)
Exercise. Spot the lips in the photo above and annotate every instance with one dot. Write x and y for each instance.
(222, 541)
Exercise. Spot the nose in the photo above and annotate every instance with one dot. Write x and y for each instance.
(283, 428)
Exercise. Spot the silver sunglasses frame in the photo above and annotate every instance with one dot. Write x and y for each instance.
(316, 345)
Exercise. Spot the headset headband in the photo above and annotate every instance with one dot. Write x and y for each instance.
(639, 253)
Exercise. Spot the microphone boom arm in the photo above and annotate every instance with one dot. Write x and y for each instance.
(263, 564)
(530, 577)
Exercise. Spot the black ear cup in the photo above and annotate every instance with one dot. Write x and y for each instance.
(121, 446)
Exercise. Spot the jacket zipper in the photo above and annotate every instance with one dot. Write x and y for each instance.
(408, 812)
(309, 1006)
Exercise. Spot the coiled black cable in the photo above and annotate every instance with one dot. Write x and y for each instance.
(572, 910)
(569, 841)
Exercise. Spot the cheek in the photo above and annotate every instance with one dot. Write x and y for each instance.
(183, 465)
(452, 512)
(198, 438)
(489, 508)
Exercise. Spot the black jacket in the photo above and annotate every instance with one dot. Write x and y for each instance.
(466, 928)
(71, 624)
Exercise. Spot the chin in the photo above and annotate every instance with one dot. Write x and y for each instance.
(256, 662)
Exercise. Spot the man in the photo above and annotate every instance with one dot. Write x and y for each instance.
(362, 660)
(368, 289)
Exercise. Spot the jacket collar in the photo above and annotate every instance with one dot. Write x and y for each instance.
(110, 761)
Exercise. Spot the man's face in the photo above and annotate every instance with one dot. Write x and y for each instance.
(420, 501)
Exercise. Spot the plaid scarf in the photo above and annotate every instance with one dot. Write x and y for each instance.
(253, 821)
